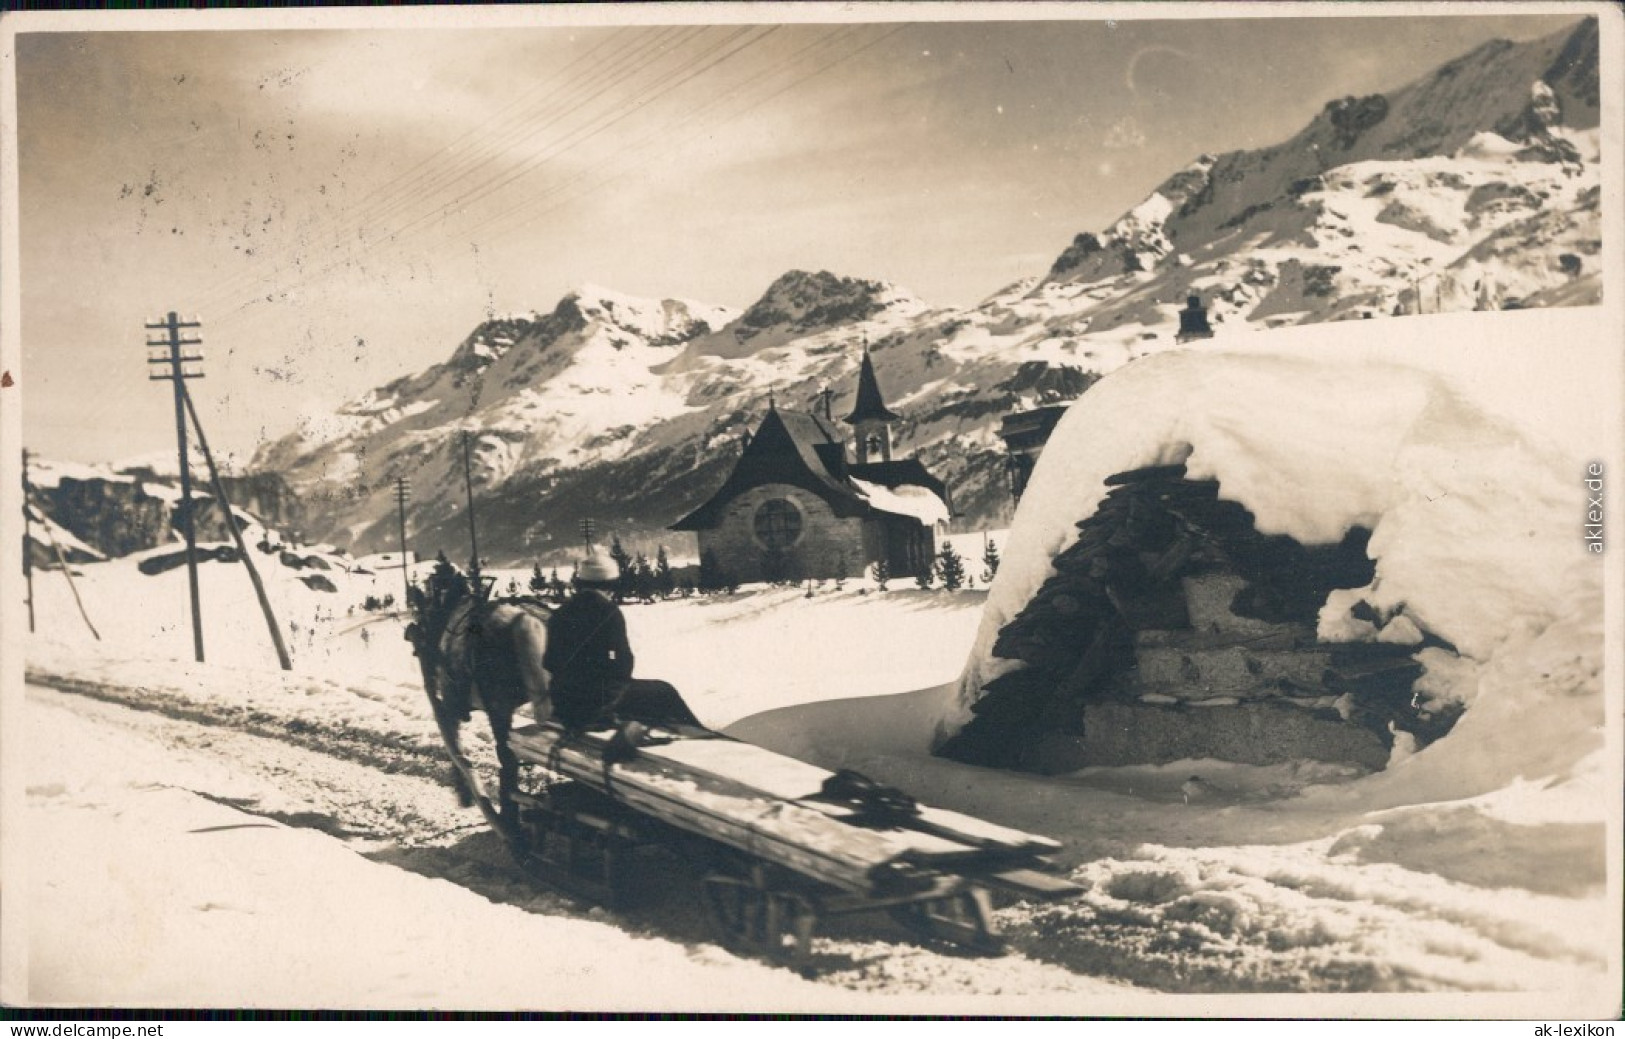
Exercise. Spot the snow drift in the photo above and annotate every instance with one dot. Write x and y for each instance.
(1461, 441)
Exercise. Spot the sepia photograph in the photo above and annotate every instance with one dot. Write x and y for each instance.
(1067, 510)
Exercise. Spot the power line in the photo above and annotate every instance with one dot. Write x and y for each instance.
(399, 237)
(393, 193)
(531, 203)
(648, 102)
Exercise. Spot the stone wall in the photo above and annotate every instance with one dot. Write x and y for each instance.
(826, 541)
(1173, 629)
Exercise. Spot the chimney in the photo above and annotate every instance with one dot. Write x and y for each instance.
(1193, 321)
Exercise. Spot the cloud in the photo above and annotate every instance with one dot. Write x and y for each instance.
(1146, 52)
(1126, 133)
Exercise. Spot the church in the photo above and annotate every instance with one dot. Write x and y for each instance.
(797, 506)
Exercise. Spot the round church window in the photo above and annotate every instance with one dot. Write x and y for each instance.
(778, 523)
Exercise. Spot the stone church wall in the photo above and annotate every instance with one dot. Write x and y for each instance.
(825, 539)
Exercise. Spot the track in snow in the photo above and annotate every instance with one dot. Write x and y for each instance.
(388, 802)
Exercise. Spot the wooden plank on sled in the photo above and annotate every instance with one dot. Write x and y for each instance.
(798, 781)
(1030, 883)
(752, 799)
(848, 857)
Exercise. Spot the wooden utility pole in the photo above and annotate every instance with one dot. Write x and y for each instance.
(28, 538)
(237, 536)
(403, 491)
(473, 532)
(173, 343)
(586, 535)
(67, 573)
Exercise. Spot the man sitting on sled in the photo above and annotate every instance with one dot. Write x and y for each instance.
(589, 661)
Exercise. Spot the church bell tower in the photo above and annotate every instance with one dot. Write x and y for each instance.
(870, 419)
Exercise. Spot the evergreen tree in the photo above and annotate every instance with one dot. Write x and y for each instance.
(665, 580)
(643, 579)
(990, 559)
(711, 577)
(882, 573)
(556, 585)
(538, 583)
(840, 571)
(950, 567)
(623, 560)
(925, 576)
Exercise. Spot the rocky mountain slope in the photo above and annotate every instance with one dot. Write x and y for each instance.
(119, 509)
(1476, 187)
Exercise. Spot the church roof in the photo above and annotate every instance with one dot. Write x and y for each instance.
(789, 447)
(903, 472)
(803, 450)
(870, 404)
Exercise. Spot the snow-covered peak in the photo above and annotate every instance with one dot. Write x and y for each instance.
(809, 301)
(661, 322)
(1522, 92)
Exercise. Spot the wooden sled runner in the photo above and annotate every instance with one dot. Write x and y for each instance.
(783, 844)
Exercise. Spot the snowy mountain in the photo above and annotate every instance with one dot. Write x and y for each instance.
(1475, 187)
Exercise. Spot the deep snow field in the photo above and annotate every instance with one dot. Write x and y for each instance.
(1477, 877)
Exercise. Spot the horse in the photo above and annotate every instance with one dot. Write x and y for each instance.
(485, 656)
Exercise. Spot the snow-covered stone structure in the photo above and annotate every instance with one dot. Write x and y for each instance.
(1345, 516)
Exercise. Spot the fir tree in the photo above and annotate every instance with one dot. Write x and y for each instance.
(665, 581)
(623, 560)
(538, 583)
(711, 577)
(950, 567)
(925, 576)
(643, 579)
(990, 559)
(882, 573)
(840, 571)
(556, 585)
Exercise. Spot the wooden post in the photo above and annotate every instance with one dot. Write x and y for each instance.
(403, 490)
(177, 375)
(62, 561)
(473, 532)
(28, 560)
(237, 536)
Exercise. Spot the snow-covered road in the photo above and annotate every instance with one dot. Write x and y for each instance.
(178, 862)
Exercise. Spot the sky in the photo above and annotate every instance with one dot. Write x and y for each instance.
(342, 207)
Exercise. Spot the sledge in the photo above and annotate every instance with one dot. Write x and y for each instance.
(783, 844)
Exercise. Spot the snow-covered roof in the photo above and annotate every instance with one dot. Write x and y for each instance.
(916, 502)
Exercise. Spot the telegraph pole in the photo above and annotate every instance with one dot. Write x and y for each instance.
(237, 536)
(473, 533)
(177, 361)
(403, 491)
(28, 537)
(586, 535)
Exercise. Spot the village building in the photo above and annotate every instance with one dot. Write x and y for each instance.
(1024, 434)
(1193, 322)
(797, 506)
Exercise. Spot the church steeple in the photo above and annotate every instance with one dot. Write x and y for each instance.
(870, 417)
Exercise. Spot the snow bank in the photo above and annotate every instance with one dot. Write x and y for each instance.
(1462, 441)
